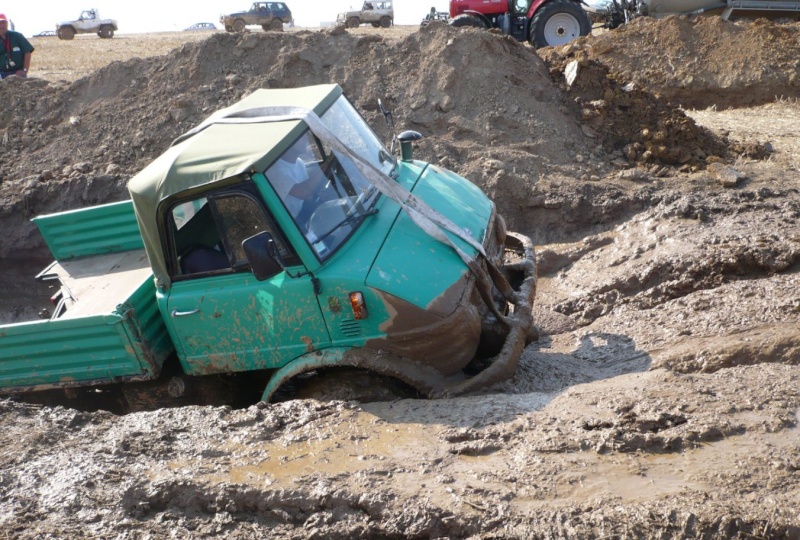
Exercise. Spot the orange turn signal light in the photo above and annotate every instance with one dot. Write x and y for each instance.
(358, 305)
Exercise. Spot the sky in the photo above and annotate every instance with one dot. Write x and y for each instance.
(33, 16)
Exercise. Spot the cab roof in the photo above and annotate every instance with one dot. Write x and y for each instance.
(217, 155)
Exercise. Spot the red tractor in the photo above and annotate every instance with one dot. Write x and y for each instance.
(545, 23)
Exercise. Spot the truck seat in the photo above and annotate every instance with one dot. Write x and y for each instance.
(199, 259)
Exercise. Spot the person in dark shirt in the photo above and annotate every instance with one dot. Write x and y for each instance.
(15, 51)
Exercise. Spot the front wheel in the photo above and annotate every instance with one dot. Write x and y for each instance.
(238, 25)
(558, 22)
(106, 32)
(353, 22)
(386, 22)
(276, 25)
(66, 33)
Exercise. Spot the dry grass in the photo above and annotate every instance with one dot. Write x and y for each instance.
(56, 60)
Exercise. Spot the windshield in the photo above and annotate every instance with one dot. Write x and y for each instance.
(321, 188)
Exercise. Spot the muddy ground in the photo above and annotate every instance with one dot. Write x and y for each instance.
(662, 398)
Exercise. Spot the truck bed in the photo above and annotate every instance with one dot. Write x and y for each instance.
(98, 284)
(111, 330)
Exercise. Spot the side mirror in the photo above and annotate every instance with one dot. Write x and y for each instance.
(263, 256)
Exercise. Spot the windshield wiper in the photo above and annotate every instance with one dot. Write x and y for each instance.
(348, 219)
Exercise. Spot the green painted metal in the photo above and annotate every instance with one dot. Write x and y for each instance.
(397, 269)
(107, 228)
(236, 323)
(130, 342)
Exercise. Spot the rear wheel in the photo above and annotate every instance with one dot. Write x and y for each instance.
(276, 25)
(466, 20)
(353, 22)
(106, 32)
(66, 32)
(238, 25)
(386, 22)
(558, 22)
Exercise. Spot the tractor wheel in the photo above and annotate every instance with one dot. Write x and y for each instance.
(106, 32)
(558, 22)
(66, 32)
(386, 22)
(466, 19)
(238, 25)
(353, 22)
(376, 24)
(276, 25)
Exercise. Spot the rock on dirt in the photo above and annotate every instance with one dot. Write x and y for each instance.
(662, 398)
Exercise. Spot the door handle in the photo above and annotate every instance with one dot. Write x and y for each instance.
(176, 313)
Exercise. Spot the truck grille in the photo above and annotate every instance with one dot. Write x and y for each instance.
(350, 328)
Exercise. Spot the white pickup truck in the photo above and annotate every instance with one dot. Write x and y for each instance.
(88, 23)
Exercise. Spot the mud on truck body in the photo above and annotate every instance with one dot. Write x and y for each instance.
(395, 267)
(88, 23)
(545, 23)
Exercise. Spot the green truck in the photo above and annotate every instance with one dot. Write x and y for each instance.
(221, 278)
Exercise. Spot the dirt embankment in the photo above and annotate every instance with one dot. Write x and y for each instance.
(662, 398)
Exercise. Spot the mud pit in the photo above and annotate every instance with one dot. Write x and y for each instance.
(662, 399)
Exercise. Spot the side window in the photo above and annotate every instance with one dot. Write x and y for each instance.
(207, 233)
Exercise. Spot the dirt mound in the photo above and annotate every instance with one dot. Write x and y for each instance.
(486, 104)
(702, 62)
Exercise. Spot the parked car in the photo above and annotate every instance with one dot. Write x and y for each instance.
(376, 13)
(201, 26)
(268, 15)
(88, 23)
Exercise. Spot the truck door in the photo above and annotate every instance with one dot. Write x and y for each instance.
(221, 318)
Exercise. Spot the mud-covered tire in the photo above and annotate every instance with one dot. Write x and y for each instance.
(467, 20)
(386, 22)
(276, 25)
(106, 32)
(353, 22)
(239, 25)
(558, 22)
(66, 33)
(347, 384)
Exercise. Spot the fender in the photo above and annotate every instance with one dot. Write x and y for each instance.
(480, 15)
(424, 379)
(538, 3)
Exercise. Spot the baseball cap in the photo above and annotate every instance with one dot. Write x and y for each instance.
(3, 17)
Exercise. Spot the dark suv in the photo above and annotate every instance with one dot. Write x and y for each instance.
(268, 15)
